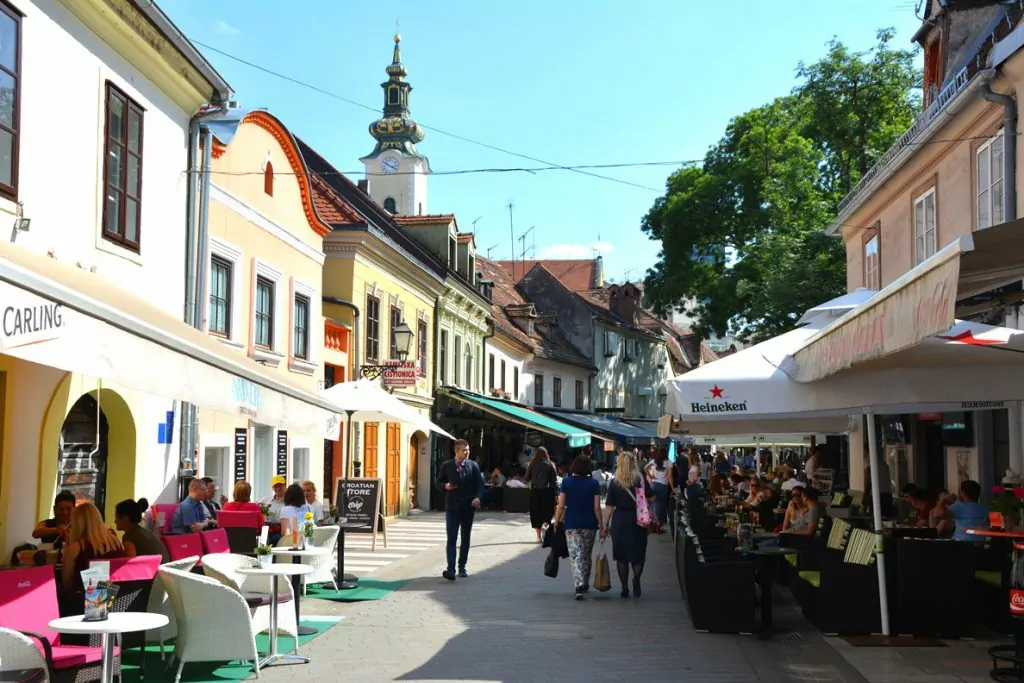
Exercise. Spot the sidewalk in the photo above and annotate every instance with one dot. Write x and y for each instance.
(509, 623)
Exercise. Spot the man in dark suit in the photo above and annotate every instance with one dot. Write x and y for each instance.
(463, 483)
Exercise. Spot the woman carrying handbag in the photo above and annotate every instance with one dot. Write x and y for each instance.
(579, 511)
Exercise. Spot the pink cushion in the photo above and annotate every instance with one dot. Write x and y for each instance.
(215, 541)
(140, 568)
(235, 518)
(69, 656)
(180, 546)
(28, 600)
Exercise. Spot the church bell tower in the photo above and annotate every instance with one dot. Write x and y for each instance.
(396, 172)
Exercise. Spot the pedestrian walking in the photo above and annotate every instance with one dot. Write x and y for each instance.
(629, 541)
(463, 483)
(542, 478)
(579, 511)
(659, 473)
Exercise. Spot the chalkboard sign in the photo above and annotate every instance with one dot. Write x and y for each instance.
(241, 452)
(359, 501)
(282, 453)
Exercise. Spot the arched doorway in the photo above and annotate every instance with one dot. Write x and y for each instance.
(82, 453)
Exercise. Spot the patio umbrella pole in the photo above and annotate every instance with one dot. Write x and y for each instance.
(876, 512)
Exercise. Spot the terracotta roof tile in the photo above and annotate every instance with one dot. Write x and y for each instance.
(428, 219)
(576, 274)
(331, 208)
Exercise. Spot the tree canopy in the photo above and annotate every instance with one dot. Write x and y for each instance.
(742, 233)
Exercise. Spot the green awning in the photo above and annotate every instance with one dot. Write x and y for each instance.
(574, 436)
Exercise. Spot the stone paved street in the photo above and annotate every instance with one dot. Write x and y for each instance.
(509, 623)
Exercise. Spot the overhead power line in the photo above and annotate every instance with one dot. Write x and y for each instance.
(347, 100)
(468, 171)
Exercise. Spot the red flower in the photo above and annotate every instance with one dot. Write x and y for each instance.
(1019, 492)
(998, 489)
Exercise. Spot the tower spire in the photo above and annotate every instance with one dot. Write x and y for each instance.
(396, 129)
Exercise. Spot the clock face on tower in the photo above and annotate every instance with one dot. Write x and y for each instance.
(389, 165)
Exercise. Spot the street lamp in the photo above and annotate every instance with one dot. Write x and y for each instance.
(401, 340)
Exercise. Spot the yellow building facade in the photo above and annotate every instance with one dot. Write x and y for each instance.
(375, 277)
(263, 298)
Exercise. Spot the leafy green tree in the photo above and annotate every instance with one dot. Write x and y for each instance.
(742, 233)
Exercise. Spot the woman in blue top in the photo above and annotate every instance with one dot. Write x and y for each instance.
(579, 510)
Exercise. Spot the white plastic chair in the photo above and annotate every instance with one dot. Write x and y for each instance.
(160, 604)
(323, 565)
(223, 567)
(19, 652)
(214, 622)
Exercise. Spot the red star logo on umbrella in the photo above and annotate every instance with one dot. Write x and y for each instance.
(967, 337)
(716, 392)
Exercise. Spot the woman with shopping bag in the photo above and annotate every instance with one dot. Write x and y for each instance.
(628, 517)
(579, 512)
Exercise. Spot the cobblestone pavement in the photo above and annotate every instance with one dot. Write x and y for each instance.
(509, 623)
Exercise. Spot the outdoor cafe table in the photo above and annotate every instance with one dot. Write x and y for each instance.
(766, 560)
(276, 570)
(116, 622)
(296, 579)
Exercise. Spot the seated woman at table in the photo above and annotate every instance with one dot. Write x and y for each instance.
(924, 502)
(241, 500)
(798, 514)
(137, 539)
(717, 486)
(293, 514)
(55, 529)
(88, 540)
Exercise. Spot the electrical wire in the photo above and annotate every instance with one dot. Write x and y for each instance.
(347, 100)
(467, 171)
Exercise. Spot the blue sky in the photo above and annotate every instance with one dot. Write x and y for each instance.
(571, 82)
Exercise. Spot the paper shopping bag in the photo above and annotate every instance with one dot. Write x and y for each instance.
(602, 572)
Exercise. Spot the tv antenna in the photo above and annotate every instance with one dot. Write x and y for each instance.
(512, 232)
(522, 245)
(628, 275)
(475, 222)
(490, 249)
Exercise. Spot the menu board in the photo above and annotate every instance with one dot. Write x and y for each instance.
(359, 501)
(282, 453)
(241, 452)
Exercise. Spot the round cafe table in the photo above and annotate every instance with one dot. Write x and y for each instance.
(296, 555)
(116, 622)
(275, 570)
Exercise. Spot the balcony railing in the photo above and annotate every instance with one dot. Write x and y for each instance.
(941, 101)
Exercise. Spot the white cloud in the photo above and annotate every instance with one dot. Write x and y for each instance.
(226, 29)
(575, 251)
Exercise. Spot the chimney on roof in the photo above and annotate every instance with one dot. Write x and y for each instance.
(364, 185)
(623, 301)
(598, 282)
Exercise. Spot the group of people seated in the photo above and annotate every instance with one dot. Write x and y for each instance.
(951, 515)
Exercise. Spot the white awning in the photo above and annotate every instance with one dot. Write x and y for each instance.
(918, 305)
(65, 317)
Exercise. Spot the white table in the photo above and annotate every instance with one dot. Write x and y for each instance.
(296, 583)
(116, 622)
(275, 570)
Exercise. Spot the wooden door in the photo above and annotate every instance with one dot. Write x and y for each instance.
(393, 450)
(414, 448)
(371, 430)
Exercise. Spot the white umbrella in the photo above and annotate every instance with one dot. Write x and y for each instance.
(365, 401)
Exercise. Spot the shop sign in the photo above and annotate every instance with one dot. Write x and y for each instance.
(922, 308)
(248, 396)
(30, 319)
(717, 402)
(400, 373)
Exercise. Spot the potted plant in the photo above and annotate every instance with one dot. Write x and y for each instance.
(1008, 501)
(334, 513)
(308, 528)
(263, 555)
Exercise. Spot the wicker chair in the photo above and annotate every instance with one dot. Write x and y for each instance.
(214, 623)
(160, 604)
(19, 653)
(323, 565)
(255, 590)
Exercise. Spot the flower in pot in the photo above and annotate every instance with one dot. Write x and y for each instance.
(308, 527)
(263, 554)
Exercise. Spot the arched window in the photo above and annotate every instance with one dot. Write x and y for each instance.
(268, 178)
(389, 205)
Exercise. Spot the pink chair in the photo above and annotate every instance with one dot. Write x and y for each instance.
(167, 510)
(215, 541)
(134, 578)
(242, 528)
(28, 603)
(180, 546)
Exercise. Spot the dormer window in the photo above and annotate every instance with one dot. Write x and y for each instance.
(389, 205)
(268, 179)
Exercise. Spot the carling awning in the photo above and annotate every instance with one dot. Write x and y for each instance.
(68, 318)
(628, 434)
(918, 305)
(574, 436)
